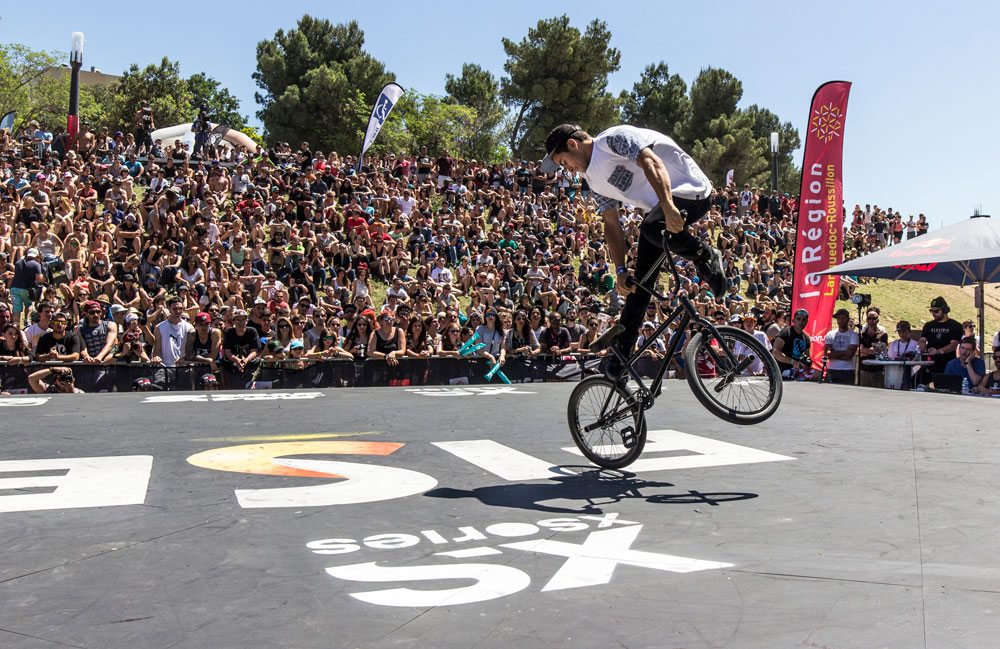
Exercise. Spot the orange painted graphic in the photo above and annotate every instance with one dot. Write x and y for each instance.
(259, 458)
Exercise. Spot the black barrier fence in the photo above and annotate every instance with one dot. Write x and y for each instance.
(307, 374)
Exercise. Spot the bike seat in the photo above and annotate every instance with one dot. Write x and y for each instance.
(605, 339)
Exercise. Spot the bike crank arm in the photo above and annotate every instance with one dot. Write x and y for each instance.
(742, 365)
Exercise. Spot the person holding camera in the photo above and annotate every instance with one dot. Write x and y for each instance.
(144, 127)
(54, 380)
(791, 346)
(201, 128)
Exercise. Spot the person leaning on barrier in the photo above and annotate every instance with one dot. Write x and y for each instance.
(205, 344)
(132, 342)
(241, 344)
(53, 380)
(388, 340)
(99, 335)
(328, 347)
(13, 349)
(555, 338)
(60, 344)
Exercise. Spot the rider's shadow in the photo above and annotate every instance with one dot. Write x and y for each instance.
(592, 489)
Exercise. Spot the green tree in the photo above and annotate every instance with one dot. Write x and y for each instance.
(161, 85)
(174, 99)
(714, 93)
(35, 84)
(479, 90)
(658, 101)
(223, 107)
(426, 120)
(557, 74)
(316, 84)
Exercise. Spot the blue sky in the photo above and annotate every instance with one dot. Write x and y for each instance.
(921, 132)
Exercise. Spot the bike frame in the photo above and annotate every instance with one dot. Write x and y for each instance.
(684, 314)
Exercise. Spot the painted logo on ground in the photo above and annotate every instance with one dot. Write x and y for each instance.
(592, 562)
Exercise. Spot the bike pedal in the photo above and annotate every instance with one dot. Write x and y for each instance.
(628, 437)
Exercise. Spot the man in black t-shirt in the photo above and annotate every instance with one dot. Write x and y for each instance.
(791, 345)
(241, 344)
(59, 344)
(555, 338)
(424, 165)
(940, 337)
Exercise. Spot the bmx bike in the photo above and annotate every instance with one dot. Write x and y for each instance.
(730, 372)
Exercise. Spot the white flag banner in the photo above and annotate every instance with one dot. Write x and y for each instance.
(730, 177)
(380, 112)
(7, 121)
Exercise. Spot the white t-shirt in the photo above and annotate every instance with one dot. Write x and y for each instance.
(173, 338)
(757, 366)
(32, 334)
(841, 341)
(615, 175)
(406, 204)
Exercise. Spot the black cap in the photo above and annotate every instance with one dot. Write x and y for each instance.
(555, 141)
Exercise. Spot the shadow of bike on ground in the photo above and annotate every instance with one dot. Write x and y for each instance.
(591, 488)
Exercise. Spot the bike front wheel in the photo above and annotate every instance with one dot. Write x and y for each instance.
(607, 421)
(733, 375)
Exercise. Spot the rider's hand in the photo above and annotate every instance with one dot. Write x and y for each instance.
(623, 286)
(674, 220)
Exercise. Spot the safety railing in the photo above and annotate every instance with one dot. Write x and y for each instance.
(306, 373)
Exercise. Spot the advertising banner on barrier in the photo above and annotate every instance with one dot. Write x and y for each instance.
(819, 240)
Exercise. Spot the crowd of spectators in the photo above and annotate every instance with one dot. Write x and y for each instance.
(229, 258)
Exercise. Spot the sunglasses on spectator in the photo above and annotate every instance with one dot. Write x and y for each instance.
(454, 331)
(283, 326)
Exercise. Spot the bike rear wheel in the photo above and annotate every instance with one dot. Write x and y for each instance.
(735, 377)
(607, 421)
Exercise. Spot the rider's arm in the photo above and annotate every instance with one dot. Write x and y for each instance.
(615, 238)
(658, 176)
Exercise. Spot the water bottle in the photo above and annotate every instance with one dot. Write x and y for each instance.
(965, 386)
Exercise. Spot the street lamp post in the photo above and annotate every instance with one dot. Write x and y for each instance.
(75, 62)
(774, 162)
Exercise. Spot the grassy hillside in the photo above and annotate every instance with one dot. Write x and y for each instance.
(901, 300)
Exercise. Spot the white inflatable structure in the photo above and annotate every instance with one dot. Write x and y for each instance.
(183, 132)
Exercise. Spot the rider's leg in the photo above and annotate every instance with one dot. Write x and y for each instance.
(635, 304)
(685, 244)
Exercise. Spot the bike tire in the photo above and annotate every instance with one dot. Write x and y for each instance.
(606, 446)
(744, 399)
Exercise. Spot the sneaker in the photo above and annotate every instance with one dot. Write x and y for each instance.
(710, 270)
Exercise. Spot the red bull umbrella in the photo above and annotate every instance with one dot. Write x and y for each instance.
(964, 253)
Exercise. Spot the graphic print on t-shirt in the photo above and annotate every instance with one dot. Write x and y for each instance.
(621, 178)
